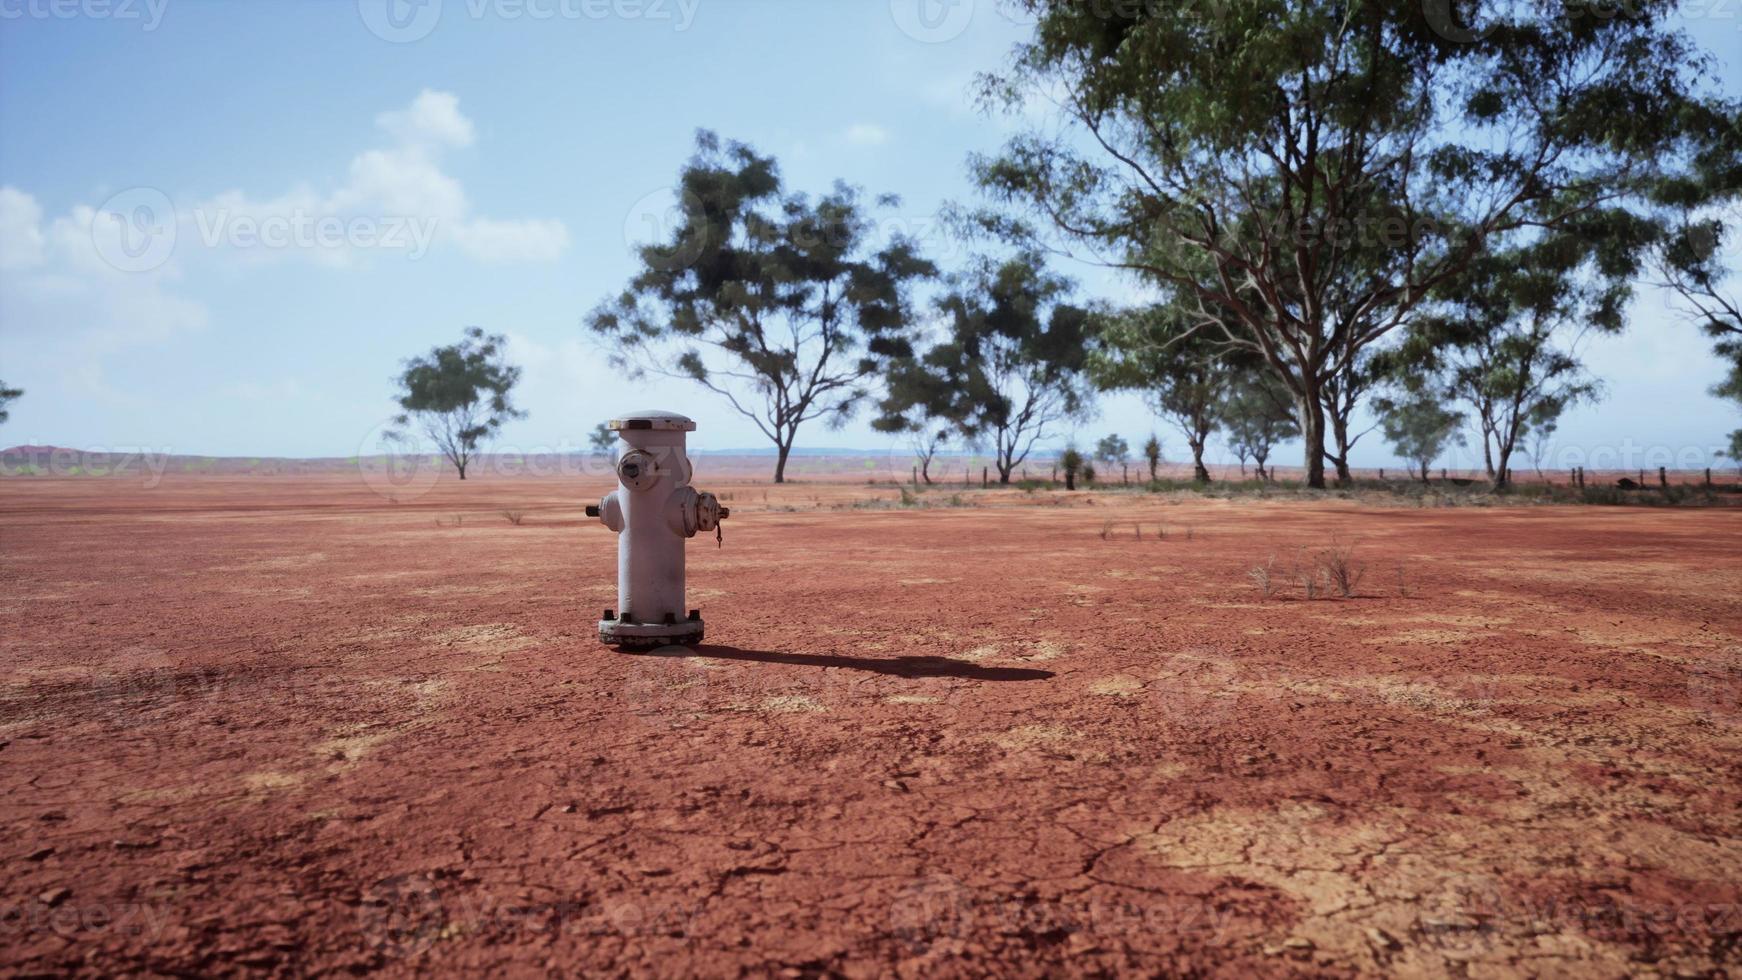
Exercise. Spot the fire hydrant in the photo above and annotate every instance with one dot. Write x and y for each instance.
(653, 510)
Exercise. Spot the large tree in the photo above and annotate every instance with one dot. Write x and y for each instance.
(785, 306)
(1304, 173)
(1010, 365)
(460, 394)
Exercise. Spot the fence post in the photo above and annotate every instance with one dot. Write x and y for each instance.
(982, 477)
(1663, 477)
(1708, 478)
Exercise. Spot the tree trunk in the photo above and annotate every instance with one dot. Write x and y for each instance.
(1312, 433)
(785, 449)
(1200, 473)
(1340, 435)
(925, 470)
(1070, 480)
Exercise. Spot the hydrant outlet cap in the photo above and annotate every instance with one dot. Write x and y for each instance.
(669, 421)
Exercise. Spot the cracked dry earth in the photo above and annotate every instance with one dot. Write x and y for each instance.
(284, 725)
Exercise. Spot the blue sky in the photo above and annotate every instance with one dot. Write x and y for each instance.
(492, 163)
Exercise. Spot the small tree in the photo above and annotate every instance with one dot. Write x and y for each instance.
(602, 440)
(914, 394)
(1088, 473)
(1257, 415)
(1009, 367)
(1506, 334)
(785, 307)
(7, 396)
(1419, 428)
(1071, 462)
(1184, 374)
(1152, 456)
(460, 394)
(1113, 451)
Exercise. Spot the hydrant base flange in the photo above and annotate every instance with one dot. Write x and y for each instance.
(648, 636)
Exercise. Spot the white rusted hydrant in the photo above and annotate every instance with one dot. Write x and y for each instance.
(653, 510)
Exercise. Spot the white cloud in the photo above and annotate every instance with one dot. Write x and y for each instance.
(21, 241)
(58, 286)
(394, 198)
(527, 240)
(433, 118)
(866, 134)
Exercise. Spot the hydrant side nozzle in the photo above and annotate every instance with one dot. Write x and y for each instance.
(592, 510)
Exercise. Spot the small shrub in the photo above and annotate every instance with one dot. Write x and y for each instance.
(1402, 581)
(908, 497)
(514, 517)
(1106, 529)
(1264, 576)
(1340, 569)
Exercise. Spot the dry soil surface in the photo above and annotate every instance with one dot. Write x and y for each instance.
(289, 725)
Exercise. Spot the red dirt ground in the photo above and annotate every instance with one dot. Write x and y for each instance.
(285, 725)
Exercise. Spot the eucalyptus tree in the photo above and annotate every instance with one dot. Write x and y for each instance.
(1257, 415)
(912, 405)
(1185, 376)
(1302, 174)
(461, 394)
(1420, 427)
(785, 306)
(1010, 365)
(1506, 339)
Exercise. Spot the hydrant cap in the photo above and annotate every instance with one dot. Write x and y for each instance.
(668, 421)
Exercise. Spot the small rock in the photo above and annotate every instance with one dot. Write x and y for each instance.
(1298, 942)
(39, 854)
(55, 896)
(569, 809)
(1382, 939)
(895, 784)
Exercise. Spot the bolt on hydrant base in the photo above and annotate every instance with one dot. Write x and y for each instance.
(653, 510)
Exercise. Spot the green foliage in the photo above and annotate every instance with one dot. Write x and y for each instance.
(7, 396)
(1257, 416)
(1010, 364)
(1112, 450)
(460, 394)
(601, 440)
(1302, 175)
(1152, 454)
(783, 305)
(1071, 462)
(1184, 374)
(1419, 427)
(1502, 340)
